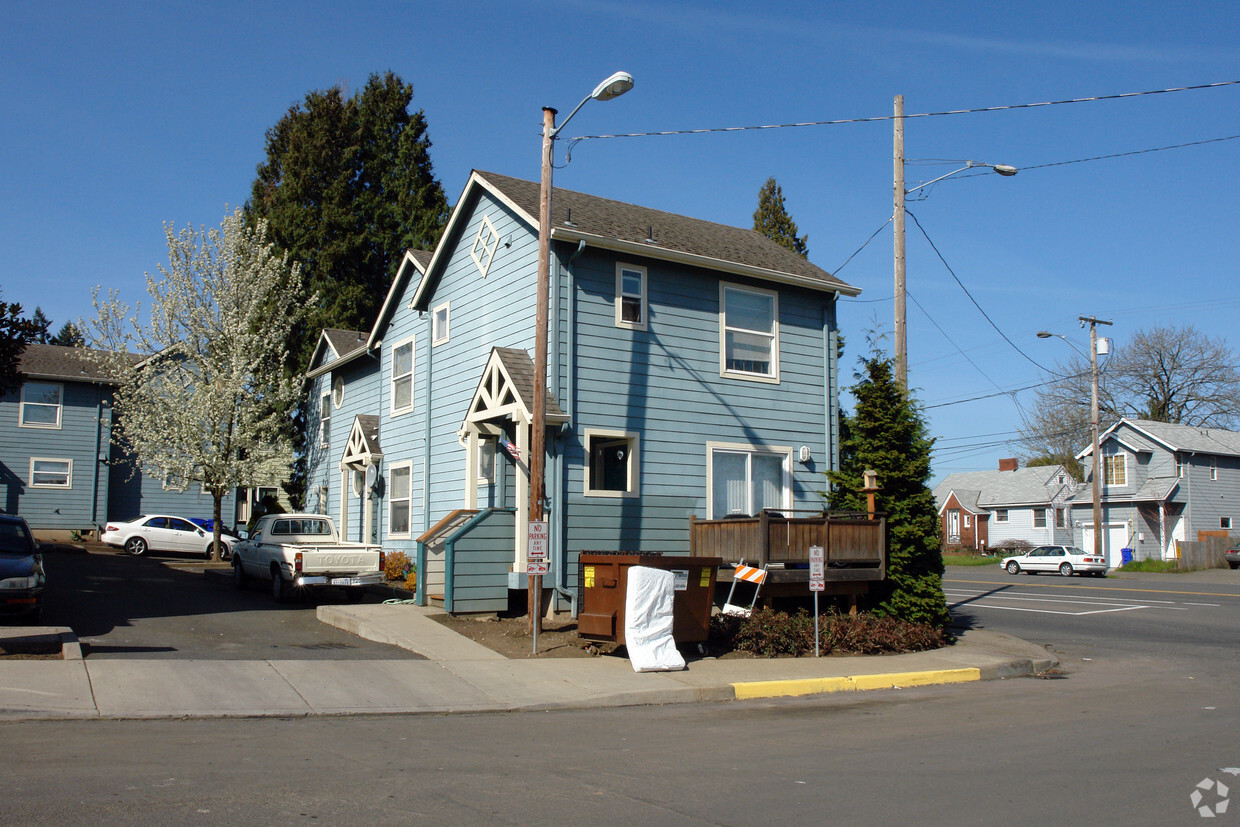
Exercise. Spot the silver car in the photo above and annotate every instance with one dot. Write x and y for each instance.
(161, 532)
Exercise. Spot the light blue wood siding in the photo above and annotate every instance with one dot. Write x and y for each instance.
(80, 438)
(481, 556)
(665, 384)
(361, 397)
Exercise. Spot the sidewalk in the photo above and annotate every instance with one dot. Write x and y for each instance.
(459, 675)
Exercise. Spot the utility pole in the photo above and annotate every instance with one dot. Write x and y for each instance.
(1093, 375)
(897, 218)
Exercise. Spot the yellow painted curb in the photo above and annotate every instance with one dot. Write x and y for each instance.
(856, 683)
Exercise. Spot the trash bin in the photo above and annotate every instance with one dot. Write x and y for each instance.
(1125, 555)
(602, 582)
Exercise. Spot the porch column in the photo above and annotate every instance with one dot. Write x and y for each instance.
(471, 473)
(1162, 530)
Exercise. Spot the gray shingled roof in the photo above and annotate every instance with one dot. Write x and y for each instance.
(344, 342)
(1154, 489)
(422, 257)
(520, 368)
(368, 424)
(616, 220)
(1188, 437)
(999, 489)
(62, 363)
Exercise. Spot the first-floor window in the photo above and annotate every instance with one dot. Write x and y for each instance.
(746, 481)
(486, 460)
(1039, 518)
(322, 499)
(611, 463)
(1059, 520)
(399, 487)
(51, 473)
(1224, 522)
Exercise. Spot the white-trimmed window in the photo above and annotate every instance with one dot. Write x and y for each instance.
(1039, 518)
(630, 296)
(439, 324)
(322, 499)
(1179, 466)
(1224, 522)
(1115, 469)
(41, 405)
(611, 459)
(748, 333)
(402, 377)
(1001, 515)
(338, 391)
(486, 460)
(485, 244)
(400, 485)
(746, 480)
(51, 473)
(1059, 518)
(1213, 468)
(968, 521)
(325, 420)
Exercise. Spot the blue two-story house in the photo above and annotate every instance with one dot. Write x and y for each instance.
(691, 373)
(58, 466)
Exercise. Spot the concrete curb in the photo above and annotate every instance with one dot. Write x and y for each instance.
(852, 683)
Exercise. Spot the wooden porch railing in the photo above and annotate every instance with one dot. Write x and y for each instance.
(853, 545)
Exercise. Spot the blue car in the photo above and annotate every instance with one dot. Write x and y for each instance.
(21, 571)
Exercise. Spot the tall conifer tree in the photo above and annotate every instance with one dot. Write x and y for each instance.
(887, 433)
(772, 220)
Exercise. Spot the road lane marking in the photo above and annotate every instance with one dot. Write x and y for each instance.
(1053, 612)
(1049, 597)
(1104, 588)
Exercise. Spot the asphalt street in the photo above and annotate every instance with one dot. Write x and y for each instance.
(162, 606)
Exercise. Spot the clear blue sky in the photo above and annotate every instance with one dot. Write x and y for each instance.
(122, 116)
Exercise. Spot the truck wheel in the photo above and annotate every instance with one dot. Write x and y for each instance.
(280, 589)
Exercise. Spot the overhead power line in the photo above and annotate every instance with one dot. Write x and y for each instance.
(881, 118)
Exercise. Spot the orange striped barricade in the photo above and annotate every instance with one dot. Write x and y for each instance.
(750, 575)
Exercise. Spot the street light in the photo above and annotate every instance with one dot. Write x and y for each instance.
(898, 224)
(613, 87)
(1093, 419)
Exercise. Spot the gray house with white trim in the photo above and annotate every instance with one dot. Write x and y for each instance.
(691, 373)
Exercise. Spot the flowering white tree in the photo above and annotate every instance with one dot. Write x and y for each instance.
(202, 394)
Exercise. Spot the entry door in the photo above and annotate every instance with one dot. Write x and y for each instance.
(953, 525)
(1114, 539)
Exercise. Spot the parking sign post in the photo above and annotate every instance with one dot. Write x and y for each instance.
(817, 583)
(535, 567)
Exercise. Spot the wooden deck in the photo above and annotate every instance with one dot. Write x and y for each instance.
(853, 545)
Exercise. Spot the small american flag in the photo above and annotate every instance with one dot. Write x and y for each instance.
(509, 448)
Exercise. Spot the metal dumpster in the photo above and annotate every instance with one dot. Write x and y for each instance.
(602, 582)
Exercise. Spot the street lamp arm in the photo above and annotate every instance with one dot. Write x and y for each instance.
(1003, 169)
(612, 87)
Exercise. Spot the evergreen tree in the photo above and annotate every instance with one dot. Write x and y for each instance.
(346, 188)
(42, 326)
(69, 336)
(887, 433)
(16, 332)
(771, 219)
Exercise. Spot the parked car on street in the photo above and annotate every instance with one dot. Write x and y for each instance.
(302, 551)
(162, 532)
(21, 571)
(1233, 557)
(1067, 560)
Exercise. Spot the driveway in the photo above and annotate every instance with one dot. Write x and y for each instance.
(163, 606)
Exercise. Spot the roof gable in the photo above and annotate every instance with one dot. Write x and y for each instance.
(1182, 438)
(65, 364)
(1024, 486)
(335, 347)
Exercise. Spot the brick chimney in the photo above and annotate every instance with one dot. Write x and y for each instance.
(1008, 464)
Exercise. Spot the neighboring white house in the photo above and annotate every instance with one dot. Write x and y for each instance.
(988, 509)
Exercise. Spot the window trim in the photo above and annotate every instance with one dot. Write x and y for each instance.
(1042, 513)
(745, 448)
(1001, 515)
(1213, 469)
(488, 237)
(1112, 458)
(337, 392)
(406, 465)
(60, 406)
(642, 299)
(393, 376)
(68, 473)
(1224, 522)
(440, 336)
(486, 445)
(325, 419)
(773, 376)
(633, 463)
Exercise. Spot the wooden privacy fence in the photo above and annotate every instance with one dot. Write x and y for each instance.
(1204, 554)
(854, 545)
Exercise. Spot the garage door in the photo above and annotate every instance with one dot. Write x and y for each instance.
(1114, 538)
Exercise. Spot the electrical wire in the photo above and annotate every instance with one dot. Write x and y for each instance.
(985, 315)
(952, 341)
(881, 118)
(873, 235)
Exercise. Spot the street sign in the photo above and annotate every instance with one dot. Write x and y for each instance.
(817, 569)
(536, 548)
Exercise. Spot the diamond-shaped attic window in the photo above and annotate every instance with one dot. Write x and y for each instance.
(485, 245)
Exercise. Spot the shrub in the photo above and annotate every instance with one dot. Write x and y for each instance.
(768, 633)
(411, 579)
(397, 566)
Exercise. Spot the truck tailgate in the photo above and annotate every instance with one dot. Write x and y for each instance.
(328, 560)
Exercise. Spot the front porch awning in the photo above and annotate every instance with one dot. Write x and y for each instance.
(362, 449)
(506, 391)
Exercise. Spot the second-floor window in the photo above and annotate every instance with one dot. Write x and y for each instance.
(1001, 515)
(1213, 468)
(402, 377)
(40, 405)
(439, 324)
(749, 332)
(325, 420)
(1114, 470)
(630, 296)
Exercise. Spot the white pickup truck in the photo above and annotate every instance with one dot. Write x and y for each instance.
(296, 551)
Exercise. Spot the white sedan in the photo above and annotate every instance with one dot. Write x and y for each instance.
(161, 532)
(1067, 560)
